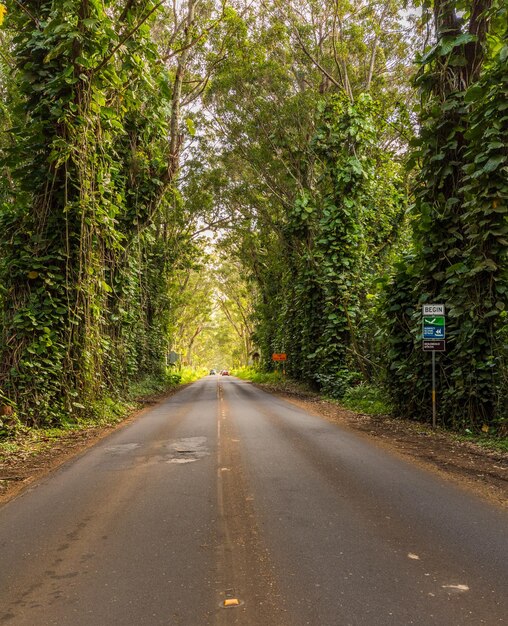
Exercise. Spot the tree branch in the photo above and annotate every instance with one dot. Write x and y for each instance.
(316, 63)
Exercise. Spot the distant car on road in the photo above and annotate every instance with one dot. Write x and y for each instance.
(212, 372)
(225, 373)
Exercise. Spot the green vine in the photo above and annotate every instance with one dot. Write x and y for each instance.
(88, 165)
(460, 227)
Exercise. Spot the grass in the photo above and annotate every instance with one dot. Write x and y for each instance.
(490, 442)
(362, 398)
(250, 373)
(149, 386)
(367, 399)
(107, 412)
(30, 442)
(189, 374)
(372, 400)
(154, 385)
(8, 447)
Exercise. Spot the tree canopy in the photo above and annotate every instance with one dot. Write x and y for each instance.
(223, 178)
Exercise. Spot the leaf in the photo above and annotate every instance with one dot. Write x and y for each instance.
(474, 93)
(52, 54)
(447, 44)
(108, 112)
(190, 126)
(493, 163)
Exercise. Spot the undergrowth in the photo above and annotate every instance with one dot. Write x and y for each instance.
(367, 399)
(486, 440)
(101, 413)
(250, 373)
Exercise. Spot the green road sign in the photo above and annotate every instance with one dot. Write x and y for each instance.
(434, 327)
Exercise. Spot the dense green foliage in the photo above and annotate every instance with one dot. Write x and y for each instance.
(72, 212)
(318, 196)
(460, 251)
(90, 215)
(344, 185)
(345, 236)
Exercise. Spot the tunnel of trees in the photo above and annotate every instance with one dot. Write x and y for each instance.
(223, 178)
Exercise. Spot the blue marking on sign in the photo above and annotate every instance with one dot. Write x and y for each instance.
(433, 332)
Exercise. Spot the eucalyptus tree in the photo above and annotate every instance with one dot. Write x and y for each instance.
(292, 107)
(460, 253)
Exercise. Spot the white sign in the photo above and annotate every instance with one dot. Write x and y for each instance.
(433, 309)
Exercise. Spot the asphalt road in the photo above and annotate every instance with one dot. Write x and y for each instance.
(226, 494)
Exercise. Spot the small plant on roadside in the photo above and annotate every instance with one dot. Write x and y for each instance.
(10, 426)
(367, 399)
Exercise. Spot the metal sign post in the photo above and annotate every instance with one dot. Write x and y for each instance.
(278, 357)
(434, 340)
(434, 408)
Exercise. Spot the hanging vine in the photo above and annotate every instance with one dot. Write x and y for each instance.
(72, 206)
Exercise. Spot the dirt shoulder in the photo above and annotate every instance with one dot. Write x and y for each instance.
(472, 466)
(30, 457)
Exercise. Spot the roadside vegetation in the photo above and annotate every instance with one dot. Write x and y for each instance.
(362, 398)
(105, 413)
(257, 376)
(368, 399)
(197, 185)
(485, 440)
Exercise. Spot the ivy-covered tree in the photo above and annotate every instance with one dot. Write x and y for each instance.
(460, 220)
(314, 188)
(92, 220)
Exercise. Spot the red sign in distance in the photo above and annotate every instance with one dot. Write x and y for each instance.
(282, 356)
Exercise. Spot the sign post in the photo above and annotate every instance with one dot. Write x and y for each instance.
(434, 340)
(280, 356)
(434, 408)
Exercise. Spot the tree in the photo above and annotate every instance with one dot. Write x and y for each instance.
(92, 220)
(460, 221)
(310, 217)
